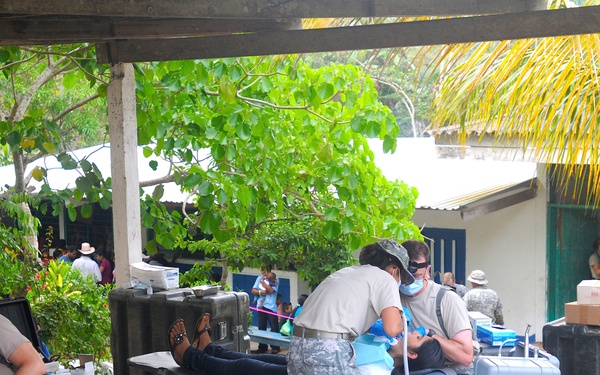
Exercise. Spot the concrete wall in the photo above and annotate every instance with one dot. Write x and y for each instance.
(510, 247)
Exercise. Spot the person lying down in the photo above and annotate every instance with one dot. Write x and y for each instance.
(203, 356)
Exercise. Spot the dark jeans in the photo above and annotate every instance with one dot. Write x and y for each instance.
(273, 320)
(217, 360)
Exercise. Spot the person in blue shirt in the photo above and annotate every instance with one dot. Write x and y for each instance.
(298, 308)
(70, 255)
(266, 292)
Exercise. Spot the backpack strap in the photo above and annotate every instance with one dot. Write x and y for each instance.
(4, 362)
(438, 308)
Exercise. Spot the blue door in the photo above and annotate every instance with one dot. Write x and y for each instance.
(448, 252)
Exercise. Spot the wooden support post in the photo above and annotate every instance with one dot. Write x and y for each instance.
(124, 170)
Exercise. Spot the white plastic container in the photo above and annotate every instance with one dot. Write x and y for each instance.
(488, 365)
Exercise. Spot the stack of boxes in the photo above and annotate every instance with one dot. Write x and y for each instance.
(586, 310)
(493, 335)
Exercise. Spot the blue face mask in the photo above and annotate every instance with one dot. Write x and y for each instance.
(411, 289)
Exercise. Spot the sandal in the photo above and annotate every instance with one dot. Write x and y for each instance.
(198, 333)
(177, 339)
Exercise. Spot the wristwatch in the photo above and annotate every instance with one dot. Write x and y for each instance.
(430, 332)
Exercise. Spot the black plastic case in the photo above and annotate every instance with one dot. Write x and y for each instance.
(18, 311)
(575, 345)
(140, 322)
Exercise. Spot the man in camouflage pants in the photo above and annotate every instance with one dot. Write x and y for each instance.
(483, 299)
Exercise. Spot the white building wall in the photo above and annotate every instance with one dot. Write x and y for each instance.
(510, 247)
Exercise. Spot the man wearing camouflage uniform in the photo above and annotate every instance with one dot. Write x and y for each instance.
(483, 299)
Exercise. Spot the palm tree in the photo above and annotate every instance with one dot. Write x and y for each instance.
(542, 93)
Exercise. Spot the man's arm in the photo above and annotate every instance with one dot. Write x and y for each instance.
(255, 289)
(459, 349)
(498, 316)
(27, 360)
(596, 269)
(268, 288)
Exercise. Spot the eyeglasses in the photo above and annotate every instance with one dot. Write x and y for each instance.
(414, 266)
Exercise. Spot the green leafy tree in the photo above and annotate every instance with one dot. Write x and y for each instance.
(265, 141)
(402, 84)
(254, 141)
(43, 111)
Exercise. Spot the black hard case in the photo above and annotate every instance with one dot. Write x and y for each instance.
(140, 322)
(576, 346)
(18, 311)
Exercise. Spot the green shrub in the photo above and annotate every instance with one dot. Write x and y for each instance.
(72, 311)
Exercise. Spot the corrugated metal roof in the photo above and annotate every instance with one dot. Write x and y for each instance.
(442, 184)
(462, 201)
(471, 129)
(452, 183)
(59, 178)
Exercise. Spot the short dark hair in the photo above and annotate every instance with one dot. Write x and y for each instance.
(416, 249)
(596, 244)
(302, 298)
(429, 356)
(374, 255)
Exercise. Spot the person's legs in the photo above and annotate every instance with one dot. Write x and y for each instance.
(274, 323)
(220, 352)
(262, 325)
(202, 362)
(186, 355)
(203, 342)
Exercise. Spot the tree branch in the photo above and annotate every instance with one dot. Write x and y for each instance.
(74, 106)
(157, 181)
(22, 103)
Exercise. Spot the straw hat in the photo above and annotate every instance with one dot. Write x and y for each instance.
(86, 249)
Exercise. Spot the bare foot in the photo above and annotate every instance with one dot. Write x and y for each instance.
(202, 333)
(178, 341)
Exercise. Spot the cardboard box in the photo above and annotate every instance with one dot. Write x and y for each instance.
(496, 335)
(576, 313)
(588, 292)
(157, 277)
(478, 319)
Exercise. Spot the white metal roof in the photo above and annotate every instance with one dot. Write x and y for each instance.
(448, 184)
(59, 178)
(444, 184)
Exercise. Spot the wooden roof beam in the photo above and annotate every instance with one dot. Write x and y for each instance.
(63, 29)
(269, 9)
(537, 24)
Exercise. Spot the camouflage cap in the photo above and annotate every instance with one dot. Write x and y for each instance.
(477, 277)
(399, 253)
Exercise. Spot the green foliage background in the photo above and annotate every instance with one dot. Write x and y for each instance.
(272, 151)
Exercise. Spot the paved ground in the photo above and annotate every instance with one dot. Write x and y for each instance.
(254, 346)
